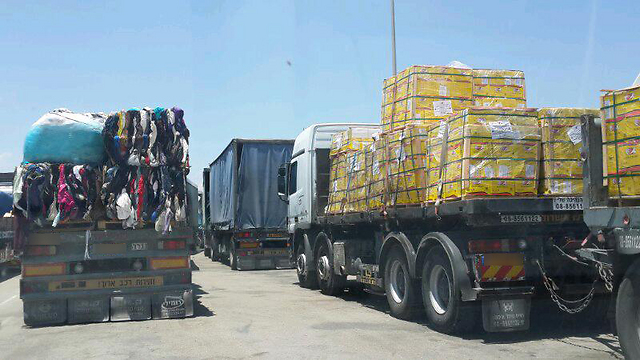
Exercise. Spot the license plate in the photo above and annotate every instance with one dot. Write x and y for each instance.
(510, 259)
(275, 252)
(567, 203)
(506, 315)
(520, 218)
(97, 284)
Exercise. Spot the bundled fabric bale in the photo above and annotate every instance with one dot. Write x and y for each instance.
(620, 112)
(561, 143)
(58, 193)
(499, 88)
(343, 146)
(425, 93)
(492, 152)
(147, 137)
(62, 136)
(137, 195)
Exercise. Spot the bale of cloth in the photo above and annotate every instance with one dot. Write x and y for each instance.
(137, 195)
(53, 194)
(147, 137)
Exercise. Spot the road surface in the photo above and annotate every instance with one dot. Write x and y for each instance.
(265, 315)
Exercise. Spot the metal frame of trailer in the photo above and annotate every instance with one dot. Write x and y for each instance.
(109, 285)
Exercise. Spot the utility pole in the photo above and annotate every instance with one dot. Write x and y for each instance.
(393, 37)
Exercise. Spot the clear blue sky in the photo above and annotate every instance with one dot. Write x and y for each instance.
(225, 62)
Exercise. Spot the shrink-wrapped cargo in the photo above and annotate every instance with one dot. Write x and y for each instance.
(407, 164)
(424, 93)
(348, 168)
(491, 152)
(376, 172)
(499, 88)
(620, 112)
(561, 143)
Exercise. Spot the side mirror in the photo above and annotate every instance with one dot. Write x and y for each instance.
(282, 182)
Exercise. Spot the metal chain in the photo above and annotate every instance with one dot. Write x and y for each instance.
(583, 303)
(607, 276)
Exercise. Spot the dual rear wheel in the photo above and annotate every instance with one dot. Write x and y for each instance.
(436, 290)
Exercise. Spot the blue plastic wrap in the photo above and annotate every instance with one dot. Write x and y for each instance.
(62, 136)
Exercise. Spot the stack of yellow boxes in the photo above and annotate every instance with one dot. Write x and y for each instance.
(434, 154)
(561, 143)
(376, 173)
(620, 111)
(499, 88)
(406, 164)
(424, 93)
(347, 178)
(492, 152)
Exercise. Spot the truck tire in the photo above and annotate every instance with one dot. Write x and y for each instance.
(446, 312)
(402, 292)
(306, 278)
(233, 259)
(328, 281)
(627, 316)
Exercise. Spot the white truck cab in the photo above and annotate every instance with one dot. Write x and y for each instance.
(304, 182)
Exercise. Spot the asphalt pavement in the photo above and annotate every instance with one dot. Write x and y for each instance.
(266, 315)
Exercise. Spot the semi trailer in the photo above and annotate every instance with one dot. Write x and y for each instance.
(245, 220)
(461, 260)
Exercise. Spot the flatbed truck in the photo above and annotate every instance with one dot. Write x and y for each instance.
(461, 261)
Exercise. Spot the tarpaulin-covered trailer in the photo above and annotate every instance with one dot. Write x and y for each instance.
(247, 219)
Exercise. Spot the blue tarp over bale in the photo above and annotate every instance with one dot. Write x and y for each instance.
(62, 136)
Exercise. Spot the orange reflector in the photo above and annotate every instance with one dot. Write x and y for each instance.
(177, 262)
(249, 245)
(43, 270)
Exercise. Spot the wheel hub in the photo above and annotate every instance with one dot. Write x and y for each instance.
(323, 267)
(398, 282)
(439, 289)
(301, 265)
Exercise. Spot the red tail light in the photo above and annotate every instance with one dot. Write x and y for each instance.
(246, 234)
(489, 246)
(171, 245)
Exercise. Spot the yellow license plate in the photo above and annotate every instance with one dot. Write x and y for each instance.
(97, 284)
(510, 259)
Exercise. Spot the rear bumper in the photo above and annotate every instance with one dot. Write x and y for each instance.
(161, 303)
(263, 262)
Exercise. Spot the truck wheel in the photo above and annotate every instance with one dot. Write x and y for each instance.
(628, 316)
(306, 278)
(207, 252)
(233, 259)
(328, 281)
(402, 292)
(445, 309)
